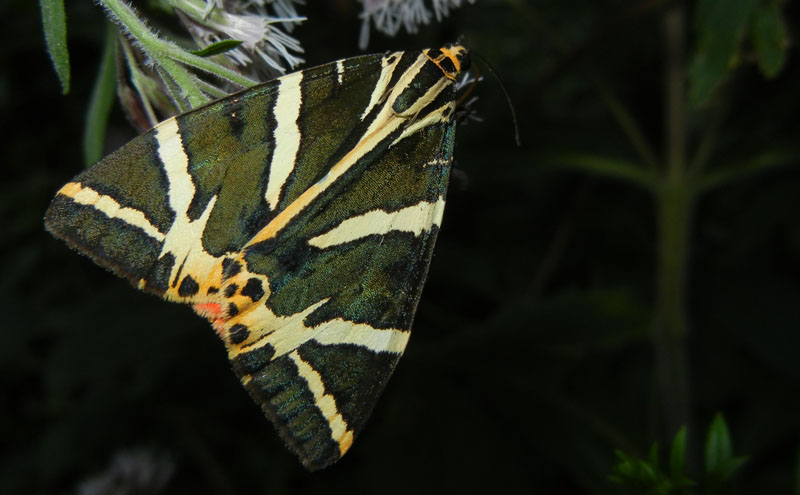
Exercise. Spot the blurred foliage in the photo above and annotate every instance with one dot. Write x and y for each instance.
(646, 476)
(102, 101)
(722, 26)
(539, 346)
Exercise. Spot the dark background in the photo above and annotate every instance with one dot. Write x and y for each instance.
(546, 336)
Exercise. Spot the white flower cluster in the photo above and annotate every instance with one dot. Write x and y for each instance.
(263, 26)
(389, 16)
(131, 471)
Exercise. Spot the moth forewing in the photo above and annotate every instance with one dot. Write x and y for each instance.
(299, 218)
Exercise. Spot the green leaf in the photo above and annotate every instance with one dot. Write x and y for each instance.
(652, 457)
(677, 462)
(720, 26)
(101, 102)
(770, 38)
(723, 473)
(217, 48)
(633, 472)
(54, 22)
(611, 167)
(677, 454)
(762, 162)
(720, 463)
(718, 443)
(175, 91)
(646, 476)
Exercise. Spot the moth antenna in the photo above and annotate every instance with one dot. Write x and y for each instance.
(505, 92)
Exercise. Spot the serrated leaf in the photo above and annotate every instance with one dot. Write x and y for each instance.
(770, 38)
(217, 48)
(54, 23)
(677, 454)
(721, 26)
(101, 102)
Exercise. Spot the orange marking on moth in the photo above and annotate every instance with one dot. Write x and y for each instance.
(452, 53)
(346, 442)
(71, 189)
(453, 56)
(212, 312)
(208, 310)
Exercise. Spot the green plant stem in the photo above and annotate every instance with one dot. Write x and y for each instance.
(675, 79)
(673, 203)
(138, 81)
(623, 117)
(159, 50)
(166, 54)
(185, 84)
(629, 126)
(673, 206)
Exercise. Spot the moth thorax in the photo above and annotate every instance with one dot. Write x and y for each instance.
(451, 60)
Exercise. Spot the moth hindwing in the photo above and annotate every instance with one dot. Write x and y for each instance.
(298, 217)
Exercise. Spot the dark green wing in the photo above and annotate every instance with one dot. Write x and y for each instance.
(299, 217)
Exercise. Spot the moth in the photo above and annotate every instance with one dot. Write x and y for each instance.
(299, 218)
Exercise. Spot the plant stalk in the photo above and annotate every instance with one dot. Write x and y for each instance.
(673, 206)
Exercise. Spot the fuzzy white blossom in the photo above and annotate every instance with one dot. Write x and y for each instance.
(131, 472)
(442, 7)
(262, 26)
(388, 16)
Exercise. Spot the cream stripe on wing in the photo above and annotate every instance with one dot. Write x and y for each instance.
(176, 165)
(286, 333)
(286, 134)
(436, 116)
(339, 71)
(416, 219)
(340, 432)
(110, 207)
(185, 237)
(382, 126)
(383, 81)
(341, 331)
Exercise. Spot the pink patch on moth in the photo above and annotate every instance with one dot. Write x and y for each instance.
(213, 313)
(210, 311)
